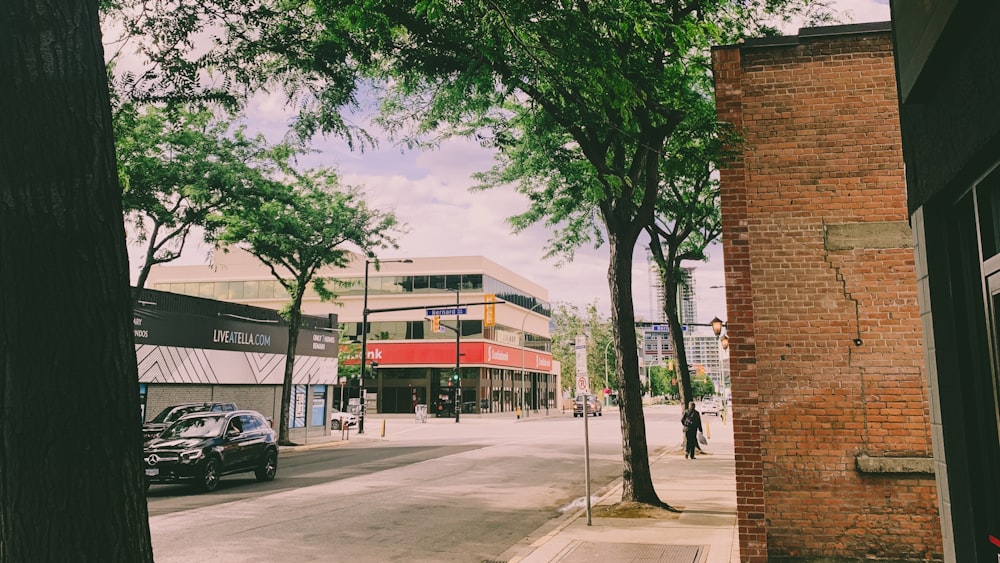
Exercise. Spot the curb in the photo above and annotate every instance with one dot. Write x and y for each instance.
(564, 521)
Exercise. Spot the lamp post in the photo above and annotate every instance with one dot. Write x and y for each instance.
(524, 343)
(724, 343)
(606, 346)
(717, 325)
(364, 341)
(458, 354)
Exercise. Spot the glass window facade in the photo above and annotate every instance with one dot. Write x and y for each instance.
(391, 285)
(377, 285)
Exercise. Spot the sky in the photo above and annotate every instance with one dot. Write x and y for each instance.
(429, 192)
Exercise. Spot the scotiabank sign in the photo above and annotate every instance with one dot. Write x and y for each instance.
(391, 354)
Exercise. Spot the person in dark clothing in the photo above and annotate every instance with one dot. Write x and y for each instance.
(692, 425)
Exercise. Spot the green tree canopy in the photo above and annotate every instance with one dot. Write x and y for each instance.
(687, 217)
(580, 98)
(589, 94)
(178, 168)
(297, 227)
(570, 322)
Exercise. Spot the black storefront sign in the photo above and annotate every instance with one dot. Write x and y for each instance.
(166, 328)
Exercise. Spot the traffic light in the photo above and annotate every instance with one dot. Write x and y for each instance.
(454, 378)
(436, 324)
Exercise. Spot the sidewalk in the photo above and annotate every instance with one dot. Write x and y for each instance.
(705, 532)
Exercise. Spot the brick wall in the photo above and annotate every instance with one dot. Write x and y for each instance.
(825, 335)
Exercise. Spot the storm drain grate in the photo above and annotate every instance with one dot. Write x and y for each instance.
(585, 552)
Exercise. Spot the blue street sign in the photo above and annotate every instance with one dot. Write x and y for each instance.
(447, 311)
(661, 328)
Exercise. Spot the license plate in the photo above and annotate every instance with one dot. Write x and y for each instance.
(152, 472)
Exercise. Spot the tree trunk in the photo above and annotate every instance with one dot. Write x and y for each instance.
(637, 482)
(294, 321)
(148, 258)
(677, 336)
(71, 471)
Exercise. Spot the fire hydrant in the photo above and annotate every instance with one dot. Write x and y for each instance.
(519, 412)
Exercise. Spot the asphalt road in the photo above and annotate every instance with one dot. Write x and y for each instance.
(437, 491)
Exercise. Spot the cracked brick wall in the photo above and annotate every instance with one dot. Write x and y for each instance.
(825, 337)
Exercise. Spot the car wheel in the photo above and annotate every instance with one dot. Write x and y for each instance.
(599, 413)
(336, 424)
(210, 474)
(268, 469)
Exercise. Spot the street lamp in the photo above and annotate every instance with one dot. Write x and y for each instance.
(364, 340)
(606, 346)
(723, 339)
(717, 325)
(457, 377)
(524, 343)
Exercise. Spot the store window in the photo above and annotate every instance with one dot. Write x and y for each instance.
(318, 405)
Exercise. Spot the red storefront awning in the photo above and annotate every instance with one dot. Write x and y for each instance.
(398, 354)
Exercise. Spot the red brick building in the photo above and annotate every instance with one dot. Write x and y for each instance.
(830, 409)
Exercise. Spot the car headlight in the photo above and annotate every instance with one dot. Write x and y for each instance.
(191, 456)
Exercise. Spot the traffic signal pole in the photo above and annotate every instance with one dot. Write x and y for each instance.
(458, 355)
(456, 377)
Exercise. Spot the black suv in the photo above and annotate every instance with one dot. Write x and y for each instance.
(202, 447)
(168, 415)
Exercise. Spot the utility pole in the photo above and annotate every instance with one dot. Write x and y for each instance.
(458, 355)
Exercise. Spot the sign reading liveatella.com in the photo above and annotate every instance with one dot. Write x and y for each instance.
(218, 333)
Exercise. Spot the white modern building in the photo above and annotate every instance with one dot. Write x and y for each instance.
(705, 353)
(502, 352)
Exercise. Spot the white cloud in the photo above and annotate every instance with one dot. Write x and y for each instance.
(862, 11)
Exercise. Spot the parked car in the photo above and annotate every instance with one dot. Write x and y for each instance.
(594, 406)
(339, 418)
(710, 406)
(167, 416)
(202, 447)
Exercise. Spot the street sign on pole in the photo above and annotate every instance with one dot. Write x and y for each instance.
(583, 388)
(446, 311)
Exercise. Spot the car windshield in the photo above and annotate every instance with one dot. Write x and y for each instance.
(171, 414)
(196, 427)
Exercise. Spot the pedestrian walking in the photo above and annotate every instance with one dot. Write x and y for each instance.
(691, 420)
